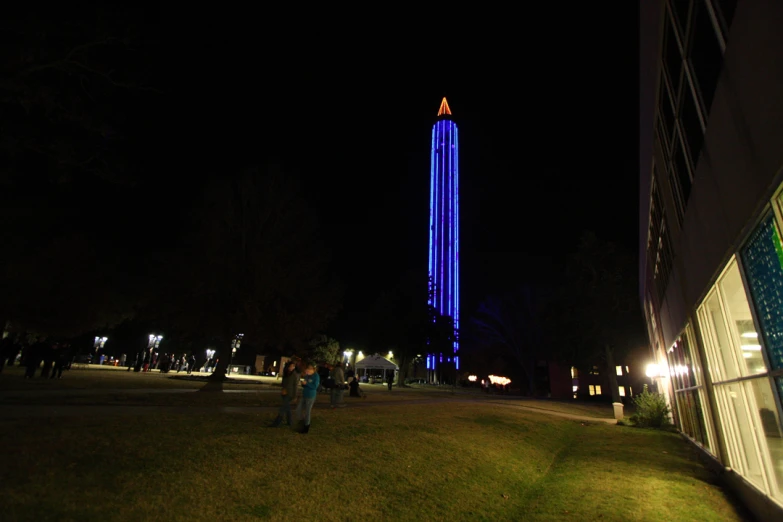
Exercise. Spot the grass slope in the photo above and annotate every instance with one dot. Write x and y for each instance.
(405, 461)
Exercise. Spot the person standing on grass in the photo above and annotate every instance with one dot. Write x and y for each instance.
(310, 387)
(287, 394)
(338, 389)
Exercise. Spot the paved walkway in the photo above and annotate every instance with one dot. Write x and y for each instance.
(44, 410)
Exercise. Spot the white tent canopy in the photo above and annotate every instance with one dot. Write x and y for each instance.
(376, 362)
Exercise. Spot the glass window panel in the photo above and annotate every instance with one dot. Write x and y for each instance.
(667, 114)
(683, 173)
(679, 204)
(672, 58)
(762, 259)
(706, 56)
(680, 9)
(691, 125)
(693, 356)
(760, 392)
(734, 416)
(663, 137)
(692, 415)
(741, 327)
(723, 364)
(725, 10)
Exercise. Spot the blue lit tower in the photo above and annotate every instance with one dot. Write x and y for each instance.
(444, 224)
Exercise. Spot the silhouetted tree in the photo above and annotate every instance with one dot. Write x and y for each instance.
(73, 83)
(398, 320)
(402, 319)
(513, 320)
(255, 266)
(598, 317)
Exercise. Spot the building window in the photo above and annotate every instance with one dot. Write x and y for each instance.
(725, 13)
(622, 391)
(680, 9)
(618, 370)
(627, 370)
(706, 55)
(688, 383)
(682, 170)
(672, 58)
(592, 389)
(666, 118)
(659, 244)
(745, 399)
(690, 122)
(598, 389)
(761, 258)
(574, 372)
(595, 371)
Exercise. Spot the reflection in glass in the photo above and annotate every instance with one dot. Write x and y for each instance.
(738, 314)
(723, 365)
(761, 391)
(734, 415)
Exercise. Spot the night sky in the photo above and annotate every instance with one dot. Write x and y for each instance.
(548, 119)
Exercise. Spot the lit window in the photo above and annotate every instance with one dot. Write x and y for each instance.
(598, 389)
(627, 370)
(574, 372)
(630, 391)
(592, 390)
(622, 391)
(619, 370)
(574, 389)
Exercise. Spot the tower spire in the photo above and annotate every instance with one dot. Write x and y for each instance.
(444, 108)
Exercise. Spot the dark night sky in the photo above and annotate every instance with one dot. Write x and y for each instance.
(548, 118)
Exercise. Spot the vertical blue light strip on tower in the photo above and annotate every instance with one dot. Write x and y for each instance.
(456, 237)
(444, 225)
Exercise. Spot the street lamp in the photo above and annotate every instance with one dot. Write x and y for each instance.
(234, 347)
(99, 343)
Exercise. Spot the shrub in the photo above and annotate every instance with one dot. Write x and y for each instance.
(651, 410)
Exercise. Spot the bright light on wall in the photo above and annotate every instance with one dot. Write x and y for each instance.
(653, 370)
(494, 379)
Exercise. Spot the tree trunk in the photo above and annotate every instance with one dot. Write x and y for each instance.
(612, 372)
(218, 376)
(403, 373)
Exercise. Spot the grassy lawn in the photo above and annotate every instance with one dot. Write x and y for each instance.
(388, 461)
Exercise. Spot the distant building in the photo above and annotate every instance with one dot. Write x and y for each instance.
(711, 256)
(591, 383)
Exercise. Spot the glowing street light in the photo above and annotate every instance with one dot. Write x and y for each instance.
(100, 342)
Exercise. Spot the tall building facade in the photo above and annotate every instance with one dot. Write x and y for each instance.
(711, 216)
(444, 226)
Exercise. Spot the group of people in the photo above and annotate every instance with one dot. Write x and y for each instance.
(55, 356)
(310, 383)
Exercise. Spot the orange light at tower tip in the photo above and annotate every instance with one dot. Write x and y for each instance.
(444, 108)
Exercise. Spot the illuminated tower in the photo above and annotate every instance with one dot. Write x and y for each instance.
(444, 224)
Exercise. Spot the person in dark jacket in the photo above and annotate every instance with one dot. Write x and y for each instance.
(287, 394)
